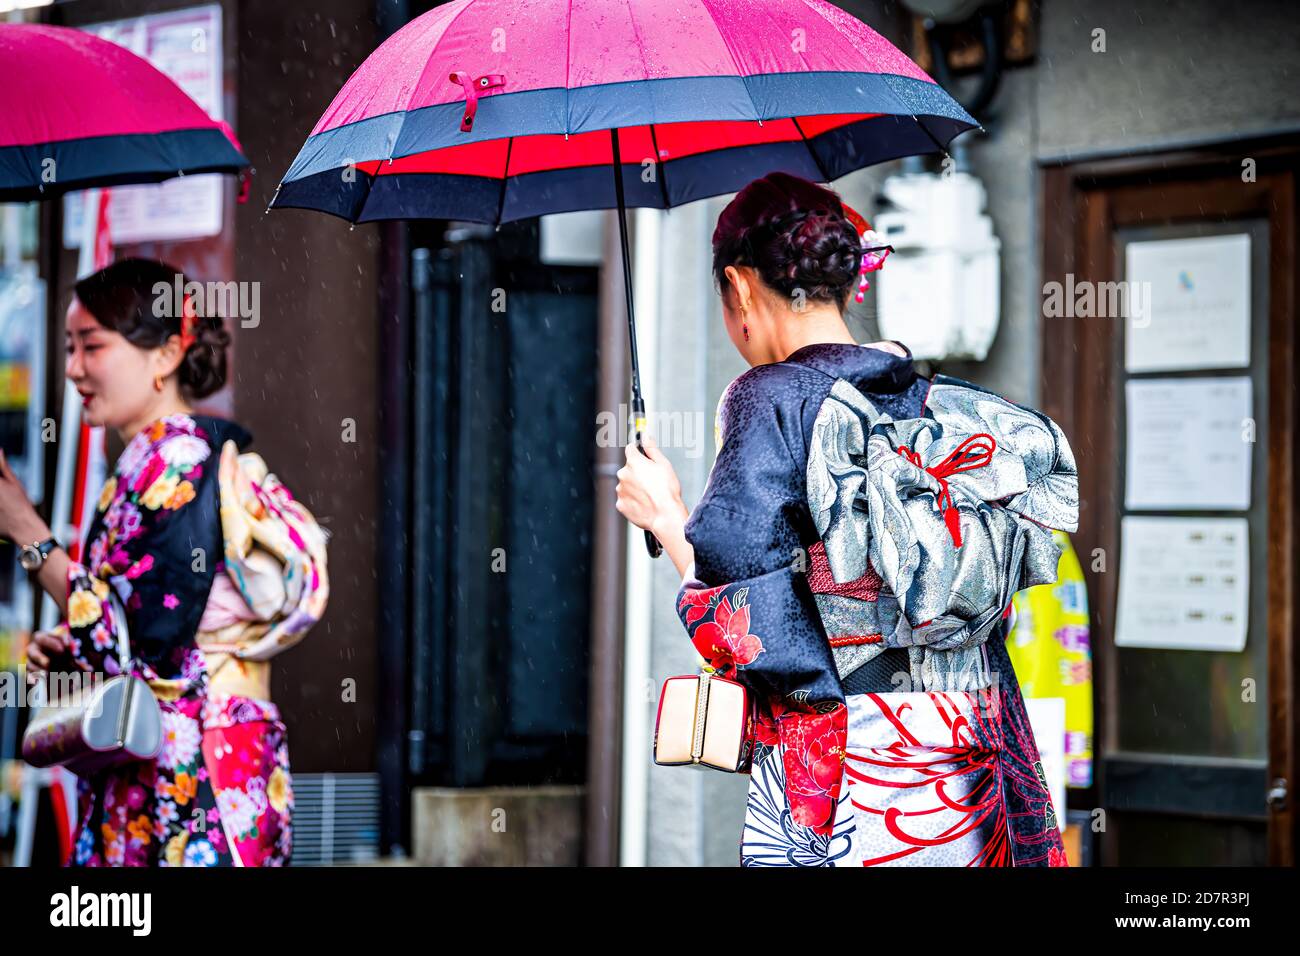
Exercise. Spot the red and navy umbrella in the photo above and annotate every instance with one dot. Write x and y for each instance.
(493, 110)
(78, 111)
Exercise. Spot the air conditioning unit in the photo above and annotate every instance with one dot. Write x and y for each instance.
(335, 818)
(939, 291)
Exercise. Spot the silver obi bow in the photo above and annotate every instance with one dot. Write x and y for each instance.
(953, 510)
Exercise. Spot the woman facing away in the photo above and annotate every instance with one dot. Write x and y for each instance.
(852, 562)
(219, 793)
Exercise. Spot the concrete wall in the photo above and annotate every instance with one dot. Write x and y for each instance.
(312, 364)
(1172, 72)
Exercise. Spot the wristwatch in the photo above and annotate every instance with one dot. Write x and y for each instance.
(32, 556)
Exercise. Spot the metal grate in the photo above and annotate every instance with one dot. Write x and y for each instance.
(335, 818)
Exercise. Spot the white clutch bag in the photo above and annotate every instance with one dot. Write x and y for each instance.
(705, 721)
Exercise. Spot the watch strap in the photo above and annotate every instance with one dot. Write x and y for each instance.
(42, 549)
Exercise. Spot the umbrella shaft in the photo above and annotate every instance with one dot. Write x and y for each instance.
(652, 543)
(638, 403)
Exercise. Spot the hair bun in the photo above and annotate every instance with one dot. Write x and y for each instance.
(125, 297)
(203, 369)
(795, 234)
(817, 251)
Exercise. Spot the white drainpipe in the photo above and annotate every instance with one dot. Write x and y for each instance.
(637, 728)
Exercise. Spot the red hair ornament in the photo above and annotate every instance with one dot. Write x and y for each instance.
(874, 249)
(189, 316)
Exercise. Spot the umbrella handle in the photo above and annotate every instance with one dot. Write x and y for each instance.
(651, 542)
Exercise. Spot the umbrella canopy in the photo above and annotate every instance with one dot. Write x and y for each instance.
(491, 111)
(78, 111)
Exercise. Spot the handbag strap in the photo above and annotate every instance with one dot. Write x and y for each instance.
(123, 631)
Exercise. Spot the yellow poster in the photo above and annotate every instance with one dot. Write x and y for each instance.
(1050, 651)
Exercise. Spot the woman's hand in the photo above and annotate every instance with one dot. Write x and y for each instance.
(18, 519)
(43, 646)
(20, 523)
(649, 494)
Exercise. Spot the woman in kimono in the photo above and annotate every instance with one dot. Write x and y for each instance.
(219, 793)
(852, 563)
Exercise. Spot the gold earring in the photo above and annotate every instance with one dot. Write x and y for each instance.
(157, 383)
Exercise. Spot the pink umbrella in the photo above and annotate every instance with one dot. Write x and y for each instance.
(492, 110)
(78, 111)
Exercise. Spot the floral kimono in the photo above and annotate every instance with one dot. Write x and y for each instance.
(220, 792)
(856, 552)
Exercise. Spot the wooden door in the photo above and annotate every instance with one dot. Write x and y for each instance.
(1195, 749)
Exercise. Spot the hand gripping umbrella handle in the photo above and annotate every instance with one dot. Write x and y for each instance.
(651, 542)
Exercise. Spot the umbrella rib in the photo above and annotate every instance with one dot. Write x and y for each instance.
(372, 181)
(568, 59)
(853, 42)
(812, 152)
(663, 178)
(925, 129)
(744, 78)
(505, 174)
(424, 70)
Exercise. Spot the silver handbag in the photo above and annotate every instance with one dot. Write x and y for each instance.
(115, 722)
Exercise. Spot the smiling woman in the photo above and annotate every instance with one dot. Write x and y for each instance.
(160, 335)
(213, 561)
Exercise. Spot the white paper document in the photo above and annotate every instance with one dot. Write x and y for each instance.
(1192, 299)
(1047, 721)
(1189, 444)
(186, 46)
(1183, 583)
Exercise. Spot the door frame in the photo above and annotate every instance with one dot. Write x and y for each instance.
(1081, 203)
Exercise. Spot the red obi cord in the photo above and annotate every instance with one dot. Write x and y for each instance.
(975, 452)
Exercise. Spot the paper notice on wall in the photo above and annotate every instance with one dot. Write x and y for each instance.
(1189, 444)
(1047, 721)
(1189, 303)
(1183, 583)
(186, 46)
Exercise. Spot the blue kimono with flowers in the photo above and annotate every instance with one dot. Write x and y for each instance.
(856, 549)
